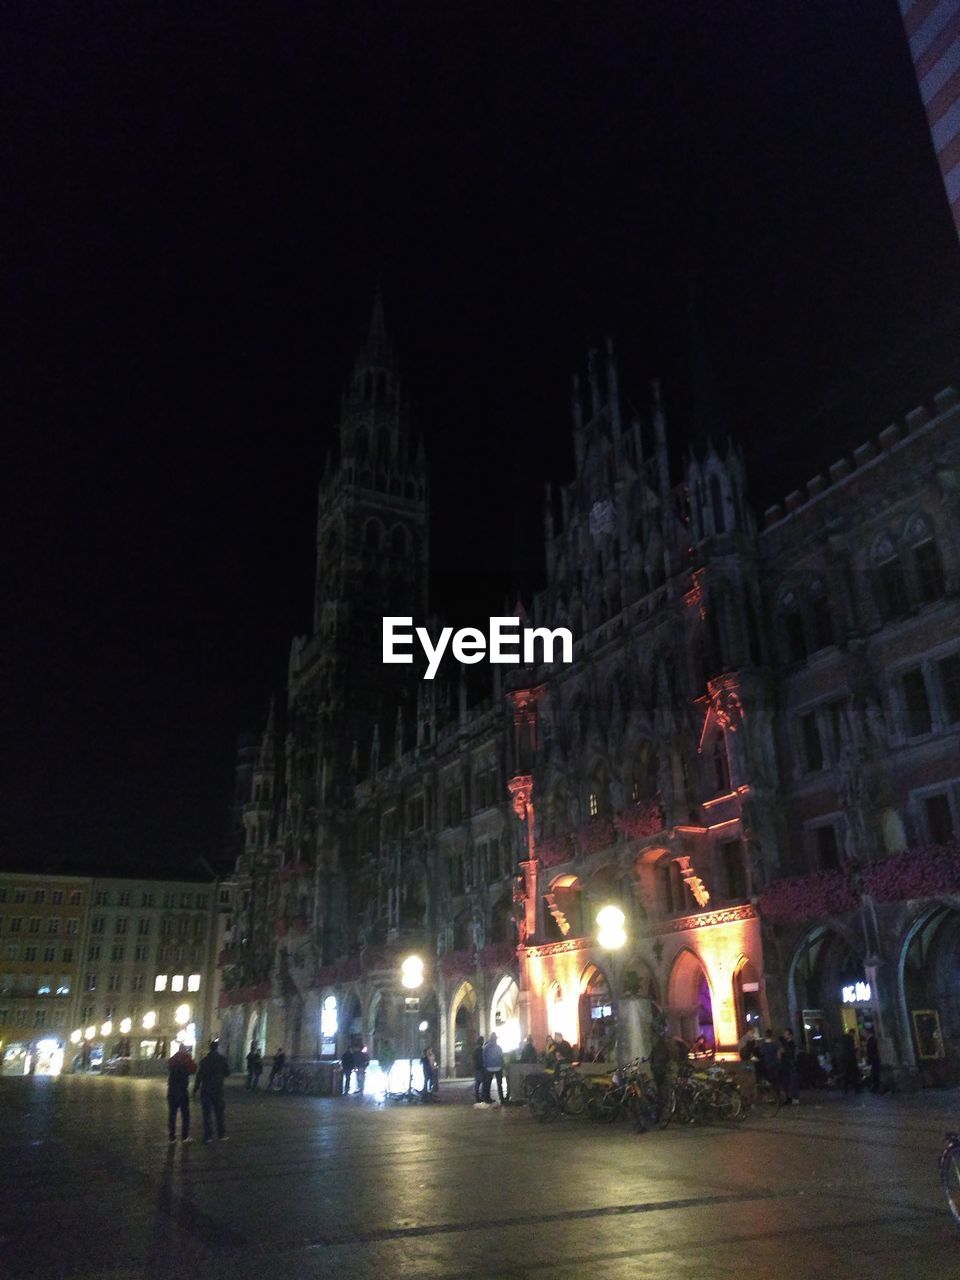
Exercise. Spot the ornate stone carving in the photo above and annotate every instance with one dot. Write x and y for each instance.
(727, 915)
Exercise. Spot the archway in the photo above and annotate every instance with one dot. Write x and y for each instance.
(505, 1014)
(829, 994)
(690, 1001)
(930, 962)
(351, 1023)
(598, 1024)
(464, 1030)
(564, 901)
(328, 1025)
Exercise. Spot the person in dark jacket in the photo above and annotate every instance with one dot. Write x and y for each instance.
(279, 1063)
(479, 1075)
(849, 1065)
(254, 1065)
(179, 1070)
(788, 1069)
(528, 1053)
(873, 1060)
(347, 1065)
(768, 1060)
(209, 1084)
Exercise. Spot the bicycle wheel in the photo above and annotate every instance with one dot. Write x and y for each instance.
(543, 1104)
(575, 1096)
(667, 1108)
(768, 1100)
(950, 1176)
(728, 1103)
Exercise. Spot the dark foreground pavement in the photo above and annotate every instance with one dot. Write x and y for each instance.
(311, 1187)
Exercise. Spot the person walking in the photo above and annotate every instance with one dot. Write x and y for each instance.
(279, 1064)
(873, 1061)
(347, 1064)
(361, 1061)
(254, 1065)
(209, 1084)
(179, 1070)
(849, 1066)
(479, 1075)
(788, 1069)
(492, 1069)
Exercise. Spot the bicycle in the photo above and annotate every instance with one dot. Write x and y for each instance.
(629, 1092)
(950, 1174)
(566, 1094)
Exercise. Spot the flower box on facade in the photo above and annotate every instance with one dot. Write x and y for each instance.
(801, 898)
(641, 820)
(498, 955)
(458, 964)
(555, 849)
(599, 833)
(928, 872)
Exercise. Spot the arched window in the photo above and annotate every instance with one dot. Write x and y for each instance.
(791, 628)
(716, 501)
(821, 618)
(889, 585)
(925, 559)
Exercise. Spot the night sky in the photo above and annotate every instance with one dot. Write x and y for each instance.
(198, 201)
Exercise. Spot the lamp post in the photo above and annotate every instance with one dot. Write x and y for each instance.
(611, 935)
(411, 979)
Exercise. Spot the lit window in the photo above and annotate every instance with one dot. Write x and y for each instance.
(161, 982)
(176, 982)
(594, 804)
(193, 982)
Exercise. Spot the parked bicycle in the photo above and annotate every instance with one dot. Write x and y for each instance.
(565, 1092)
(630, 1091)
(950, 1174)
(702, 1096)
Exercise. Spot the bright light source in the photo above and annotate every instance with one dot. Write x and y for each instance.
(160, 983)
(176, 982)
(149, 1020)
(90, 1033)
(125, 1026)
(76, 1036)
(106, 1028)
(411, 973)
(182, 1014)
(193, 982)
(612, 934)
(424, 1026)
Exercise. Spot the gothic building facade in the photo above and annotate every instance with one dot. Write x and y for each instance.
(753, 756)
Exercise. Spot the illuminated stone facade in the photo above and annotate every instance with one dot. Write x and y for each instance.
(742, 735)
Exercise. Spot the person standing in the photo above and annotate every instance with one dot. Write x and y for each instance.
(347, 1064)
(254, 1065)
(361, 1062)
(492, 1069)
(179, 1070)
(279, 1063)
(209, 1084)
(528, 1054)
(788, 1069)
(479, 1075)
(849, 1066)
(768, 1060)
(873, 1061)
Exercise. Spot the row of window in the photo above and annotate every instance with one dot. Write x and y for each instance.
(57, 896)
(118, 951)
(11, 951)
(114, 982)
(14, 924)
(123, 898)
(168, 927)
(937, 822)
(728, 882)
(176, 982)
(41, 1018)
(491, 860)
(925, 698)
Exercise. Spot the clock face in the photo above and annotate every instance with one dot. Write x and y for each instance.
(602, 518)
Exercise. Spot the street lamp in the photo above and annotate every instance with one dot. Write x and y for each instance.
(126, 1026)
(182, 1015)
(106, 1028)
(411, 979)
(149, 1020)
(76, 1036)
(611, 935)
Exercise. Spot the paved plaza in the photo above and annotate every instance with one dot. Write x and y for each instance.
(324, 1187)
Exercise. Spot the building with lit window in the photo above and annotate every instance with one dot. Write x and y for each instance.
(43, 923)
(752, 757)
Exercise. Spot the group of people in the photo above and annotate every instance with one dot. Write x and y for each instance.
(354, 1061)
(780, 1060)
(255, 1067)
(487, 1067)
(210, 1075)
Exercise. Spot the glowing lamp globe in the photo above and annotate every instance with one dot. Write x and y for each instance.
(149, 1020)
(125, 1026)
(411, 973)
(76, 1036)
(106, 1028)
(612, 934)
(182, 1015)
(90, 1033)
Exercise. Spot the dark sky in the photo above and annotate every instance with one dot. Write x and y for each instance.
(197, 203)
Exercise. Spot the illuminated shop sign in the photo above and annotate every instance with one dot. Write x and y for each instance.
(856, 993)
